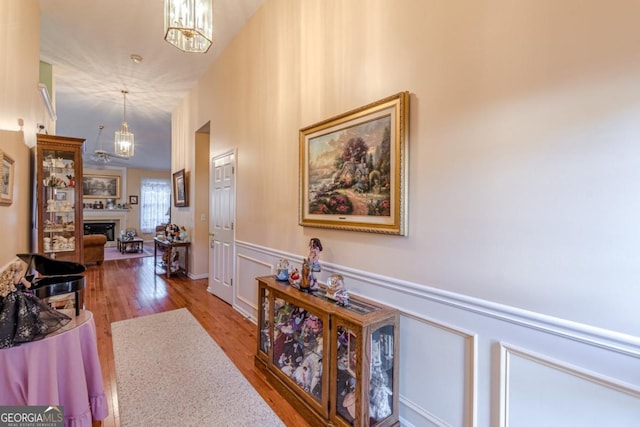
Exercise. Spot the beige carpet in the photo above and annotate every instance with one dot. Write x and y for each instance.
(170, 372)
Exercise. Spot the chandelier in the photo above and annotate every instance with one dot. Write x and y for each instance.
(124, 145)
(188, 24)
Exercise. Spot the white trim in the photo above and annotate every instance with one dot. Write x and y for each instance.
(507, 350)
(419, 410)
(598, 337)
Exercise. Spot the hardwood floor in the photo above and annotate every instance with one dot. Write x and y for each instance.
(124, 289)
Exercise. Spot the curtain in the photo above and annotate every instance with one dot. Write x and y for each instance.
(155, 202)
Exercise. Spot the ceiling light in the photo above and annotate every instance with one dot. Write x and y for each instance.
(188, 24)
(99, 154)
(124, 145)
(136, 58)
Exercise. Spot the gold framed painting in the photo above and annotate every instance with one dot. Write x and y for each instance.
(6, 184)
(101, 186)
(353, 169)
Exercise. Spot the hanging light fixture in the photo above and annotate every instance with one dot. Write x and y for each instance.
(124, 145)
(188, 24)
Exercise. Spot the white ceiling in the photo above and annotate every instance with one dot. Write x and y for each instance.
(89, 44)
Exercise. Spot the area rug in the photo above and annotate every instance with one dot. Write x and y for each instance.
(112, 252)
(169, 371)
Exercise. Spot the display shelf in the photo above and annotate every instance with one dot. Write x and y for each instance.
(338, 365)
(58, 198)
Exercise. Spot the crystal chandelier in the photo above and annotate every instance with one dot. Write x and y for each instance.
(124, 139)
(188, 24)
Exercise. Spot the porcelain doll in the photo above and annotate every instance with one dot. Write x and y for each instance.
(315, 247)
(24, 317)
(184, 236)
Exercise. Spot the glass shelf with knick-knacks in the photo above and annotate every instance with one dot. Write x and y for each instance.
(335, 361)
(58, 197)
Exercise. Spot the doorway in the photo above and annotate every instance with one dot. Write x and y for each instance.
(221, 226)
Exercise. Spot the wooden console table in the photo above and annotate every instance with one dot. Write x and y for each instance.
(166, 245)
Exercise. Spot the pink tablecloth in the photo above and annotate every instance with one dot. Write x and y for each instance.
(61, 369)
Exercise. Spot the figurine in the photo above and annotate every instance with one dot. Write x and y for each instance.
(282, 270)
(315, 247)
(379, 407)
(335, 283)
(310, 265)
(184, 236)
(31, 319)
(307, 275)
(294, 278)
(336, 290)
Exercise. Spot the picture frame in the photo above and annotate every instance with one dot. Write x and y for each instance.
(6, 179)
(133, 200)
(180, 198)
(353, 169)
(101, 186)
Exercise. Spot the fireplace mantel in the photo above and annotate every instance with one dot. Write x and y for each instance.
(118, 216)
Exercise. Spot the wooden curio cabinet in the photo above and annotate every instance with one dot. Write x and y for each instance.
(337, 365)
(58, 225)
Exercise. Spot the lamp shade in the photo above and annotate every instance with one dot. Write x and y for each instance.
(124, 139)
(188, 24)
(124, 145)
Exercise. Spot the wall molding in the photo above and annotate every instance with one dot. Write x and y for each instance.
(594, 336)
(471, 373)
(237, 294)
(507, 351)
(421, 412)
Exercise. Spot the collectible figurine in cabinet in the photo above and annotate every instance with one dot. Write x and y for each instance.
(311, 265)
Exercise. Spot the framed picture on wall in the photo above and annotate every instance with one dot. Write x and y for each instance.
(180, 198)
(353, 169)
(6, 181)
(101, 186)
(133, 200)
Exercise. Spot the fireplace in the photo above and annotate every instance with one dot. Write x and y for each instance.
(106, 228)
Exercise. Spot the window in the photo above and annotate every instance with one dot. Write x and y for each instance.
(155, 202)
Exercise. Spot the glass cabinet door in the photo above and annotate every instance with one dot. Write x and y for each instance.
(347, 374)
(297, 346)
(59, 202)
(381, 374)
(265, 326)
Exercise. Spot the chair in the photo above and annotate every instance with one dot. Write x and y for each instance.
(94, 248)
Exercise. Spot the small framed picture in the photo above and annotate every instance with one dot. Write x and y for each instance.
(133, 200)
(6, 179)
(180, 189)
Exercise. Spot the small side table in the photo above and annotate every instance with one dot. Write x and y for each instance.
(137, 241)
(165, 245)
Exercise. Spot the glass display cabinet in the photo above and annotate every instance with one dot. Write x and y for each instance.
(58, 198)
(337, 365)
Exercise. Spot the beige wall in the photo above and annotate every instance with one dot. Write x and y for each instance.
(523, 127)
(20, 109)
(16, 217)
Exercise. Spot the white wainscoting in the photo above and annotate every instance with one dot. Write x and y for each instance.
(455, 368)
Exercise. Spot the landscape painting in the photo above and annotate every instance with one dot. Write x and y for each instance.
(353, 169)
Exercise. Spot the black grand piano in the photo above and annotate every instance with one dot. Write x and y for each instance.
(50, 277)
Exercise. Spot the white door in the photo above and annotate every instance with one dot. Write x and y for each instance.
(221, 230)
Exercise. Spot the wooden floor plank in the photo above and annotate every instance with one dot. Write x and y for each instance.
(129, 288)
